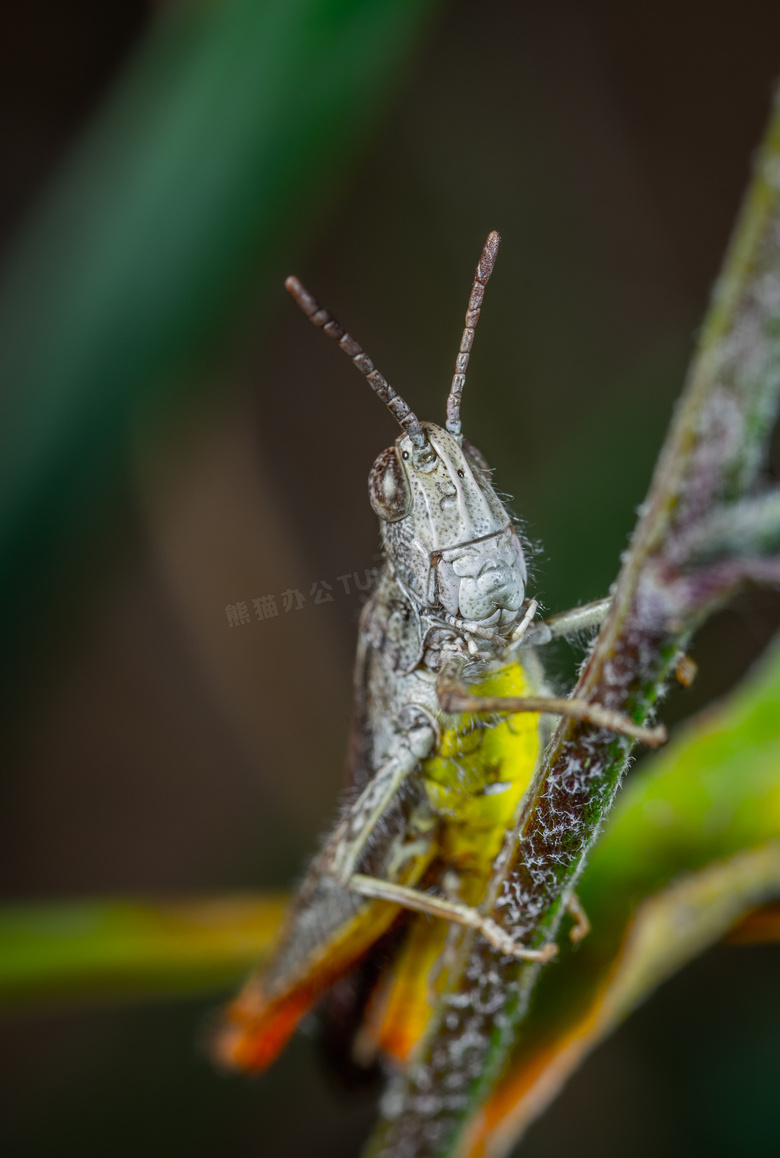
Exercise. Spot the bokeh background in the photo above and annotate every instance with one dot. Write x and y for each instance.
(148, 748)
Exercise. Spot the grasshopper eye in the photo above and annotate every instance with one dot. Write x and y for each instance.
(388, 488)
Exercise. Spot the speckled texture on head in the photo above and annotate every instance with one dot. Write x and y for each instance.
(456, 549)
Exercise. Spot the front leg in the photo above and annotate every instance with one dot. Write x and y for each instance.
(578, 618)
(566, 623)
(455, 697)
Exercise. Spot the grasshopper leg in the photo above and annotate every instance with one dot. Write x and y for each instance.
(578, 618)
(455, 697)
(451, 911)
(566, 623)
(581, 926)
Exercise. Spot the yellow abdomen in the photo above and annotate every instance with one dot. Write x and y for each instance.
(474, 783)
(479, 774)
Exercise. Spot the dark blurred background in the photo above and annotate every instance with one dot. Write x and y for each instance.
(152, 749)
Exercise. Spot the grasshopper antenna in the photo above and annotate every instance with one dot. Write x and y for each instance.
(484, 270)
(325, 321)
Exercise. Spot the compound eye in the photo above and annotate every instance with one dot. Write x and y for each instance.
(388, 487)
(475, 457)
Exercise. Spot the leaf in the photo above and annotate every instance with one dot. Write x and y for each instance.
(112, 949)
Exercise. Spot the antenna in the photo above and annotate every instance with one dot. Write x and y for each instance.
(325, 321)
(484, 270)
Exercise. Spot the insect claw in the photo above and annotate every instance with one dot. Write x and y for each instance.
(686, 670)
(654, 737)
(549, 952)
(581, 926)
(521, 628)
(496, 936)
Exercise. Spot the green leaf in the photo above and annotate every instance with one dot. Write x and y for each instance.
(114, 949)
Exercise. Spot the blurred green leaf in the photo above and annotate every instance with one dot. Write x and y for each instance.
(216, 151)
(114, 949)
(713, 792)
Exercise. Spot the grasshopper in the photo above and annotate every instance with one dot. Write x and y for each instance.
(451, 714)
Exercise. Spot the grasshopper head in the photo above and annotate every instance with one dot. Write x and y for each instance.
(447, 535)
(445, 530)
